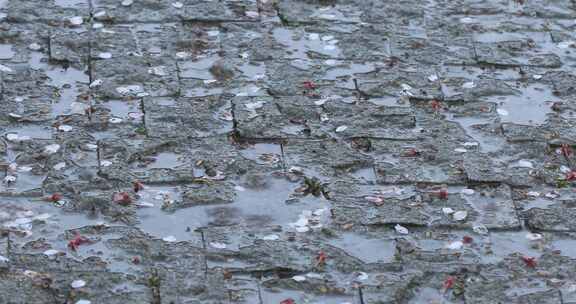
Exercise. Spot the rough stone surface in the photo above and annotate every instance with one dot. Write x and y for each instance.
(287, 152)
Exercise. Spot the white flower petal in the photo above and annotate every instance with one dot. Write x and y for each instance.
(401, 229)
(78, 284)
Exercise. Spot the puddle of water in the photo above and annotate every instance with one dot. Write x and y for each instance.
(253, 71)
(24, 182)
(166, 160)
(68, 81)
(367, 249)
(530, 107)
(538, 202)
(120, 108)
(494, 37)
(201, 92)
(506, 243)
(298, 48)
(199, 69)
(32, 131)
(486, 143)
(263, 153)
(471, 72)
(349, 70)
(261, 207)
(429, 295)
(365, 175)
(55, 225)
(566, 247)
(277, 296)
(391, 101)
(6, 51)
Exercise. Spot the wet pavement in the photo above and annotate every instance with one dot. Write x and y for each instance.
(287, 152)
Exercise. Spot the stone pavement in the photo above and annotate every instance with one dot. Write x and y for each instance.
(287, 151)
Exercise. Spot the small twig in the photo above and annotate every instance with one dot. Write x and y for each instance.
(143, 110)
(8, 243)
(260, 301)
(361, 295)
(98, 155)
(204, 247)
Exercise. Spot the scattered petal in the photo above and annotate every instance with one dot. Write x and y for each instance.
(533, 236)
(65, 128)
(9, 179)
(35, 46)
(401, 229)
(51, 252)
(525, 164)
(302, 229)
(469, 85)
(78, 284)
(480, 229)
(470, 144)
(467, 191)
(105, 55)
(218, 245)
(299, 278)
(460, 215)
(455, 245)
(5, 69)
(252, 14)
(158, 71)
(96, 83)
(122, 198)
(115, 120)
(447, 210)
(530, 261)
(169, 239)
(271, 237)
(77, 20)
(502, 112)
(448, 283)
(551, 195)
(51, 149)
(361, 276)
(182, 55)
(144, 204)
(341, 129)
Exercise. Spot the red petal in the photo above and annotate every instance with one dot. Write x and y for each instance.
(449, 282)
(530, 261)
(443, 194)
(138, 186)
(467, 239)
